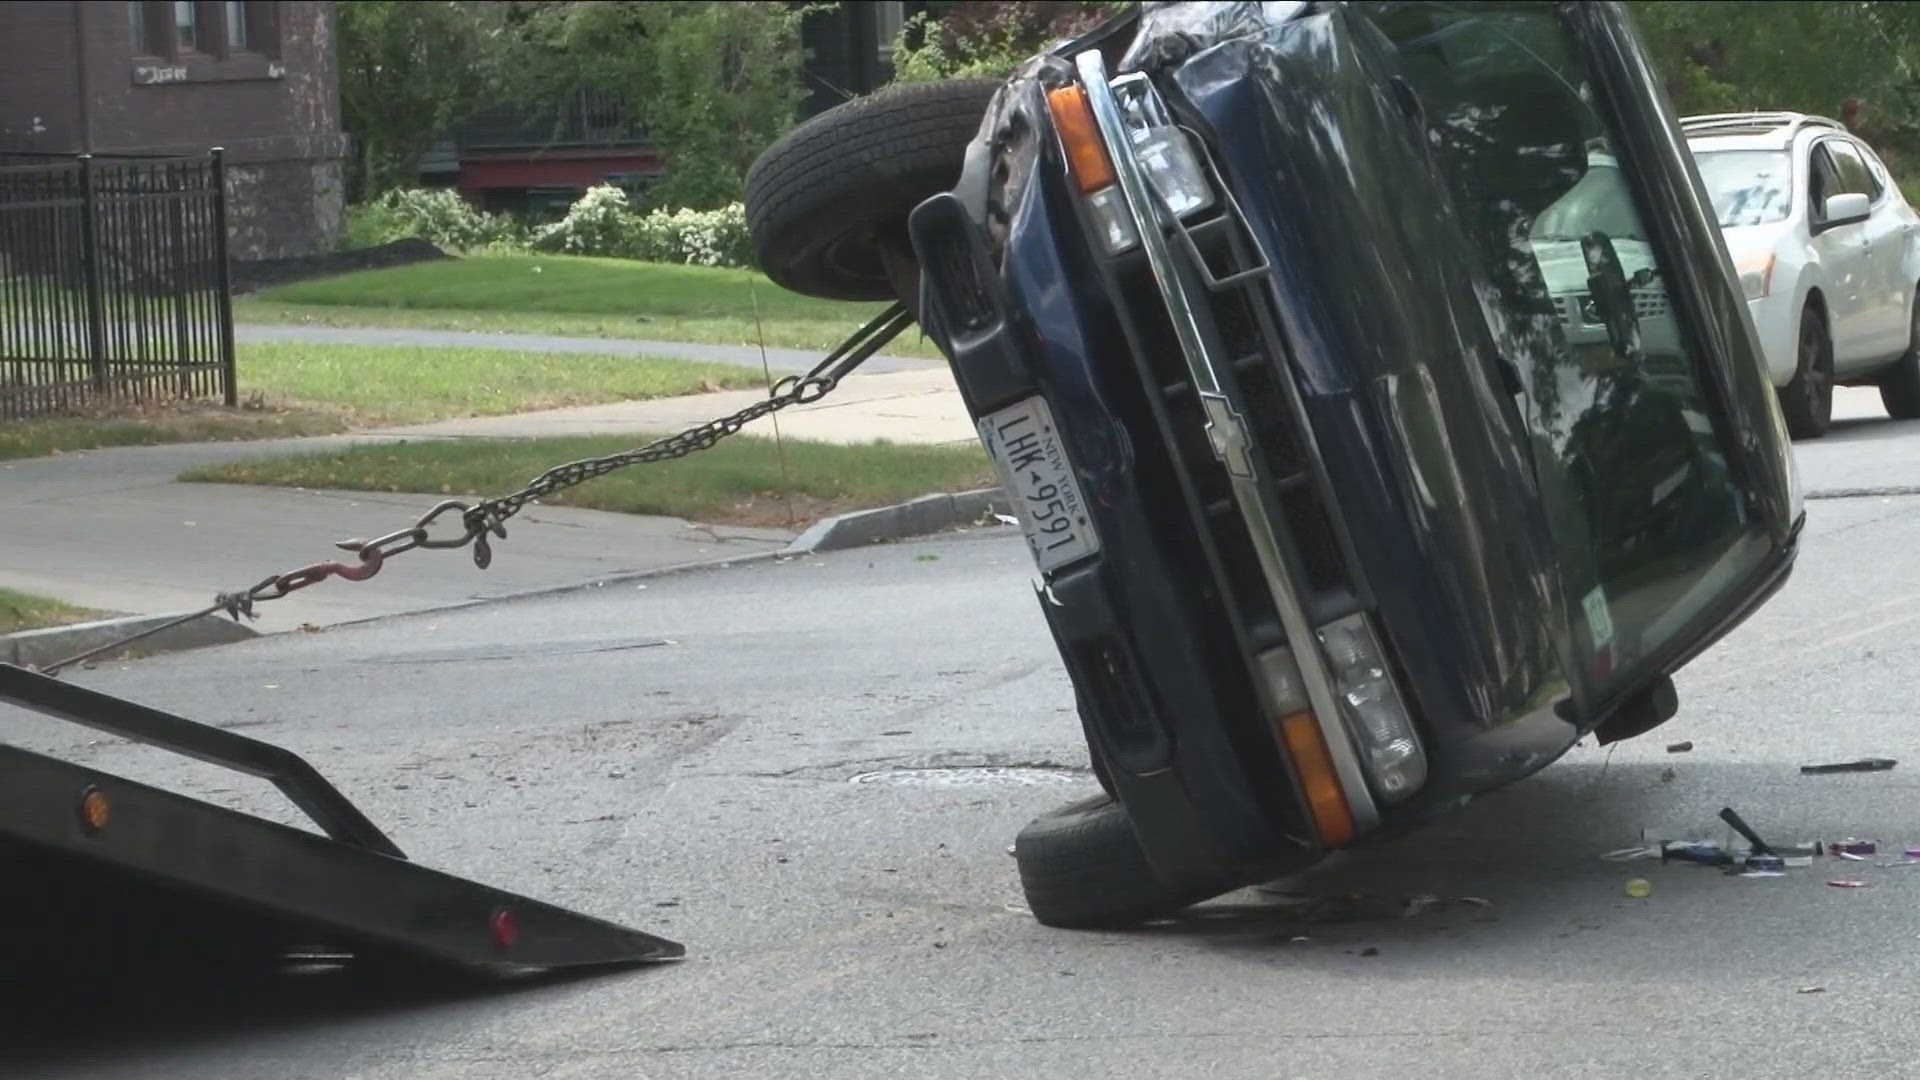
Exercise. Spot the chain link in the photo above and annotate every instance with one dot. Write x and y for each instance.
(488, 517)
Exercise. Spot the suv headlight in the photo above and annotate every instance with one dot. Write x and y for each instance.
(1756, 275)
(1376, 716)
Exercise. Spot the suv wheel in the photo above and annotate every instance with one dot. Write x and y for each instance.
(1807, 401)
(1900, 384)
(827, 205)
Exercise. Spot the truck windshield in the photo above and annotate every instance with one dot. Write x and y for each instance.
(1646, 525)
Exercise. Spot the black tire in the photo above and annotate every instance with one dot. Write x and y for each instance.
(1900, 384)
(1807, 401)
(823, 201)
(1083, 868)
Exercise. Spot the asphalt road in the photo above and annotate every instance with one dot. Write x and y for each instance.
(747, 760)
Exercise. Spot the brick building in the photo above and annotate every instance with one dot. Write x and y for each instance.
(179, 76)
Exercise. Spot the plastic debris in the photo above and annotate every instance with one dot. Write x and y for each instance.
(1872, 764)
(1760, 864)
(1679, 747)
(1913, 851)
(1006, 519)
(1851, 848)
(1638, 888)
(1811, 990)
(1847, 883)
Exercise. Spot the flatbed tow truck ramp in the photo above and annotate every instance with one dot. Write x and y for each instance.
(92, 858)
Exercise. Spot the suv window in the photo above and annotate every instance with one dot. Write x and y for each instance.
(1876, 187)
(1575, 296)
(1848, 168)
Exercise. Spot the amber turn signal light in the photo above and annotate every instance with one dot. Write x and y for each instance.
(1080, 136)
(1326, 802)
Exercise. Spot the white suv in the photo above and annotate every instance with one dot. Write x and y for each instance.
(1827, 251)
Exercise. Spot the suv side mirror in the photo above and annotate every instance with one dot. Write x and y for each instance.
(1846, 207)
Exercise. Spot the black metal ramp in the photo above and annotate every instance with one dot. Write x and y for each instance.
(352, 884)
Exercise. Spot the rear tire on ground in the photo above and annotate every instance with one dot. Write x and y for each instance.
(1900, 384)
(1807, 401)
(825, 202)
(1083, 868)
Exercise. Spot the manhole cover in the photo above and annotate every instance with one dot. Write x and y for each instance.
(971, 776)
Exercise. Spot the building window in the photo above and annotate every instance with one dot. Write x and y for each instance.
(186, 25)
(137, 25)
(236, 26)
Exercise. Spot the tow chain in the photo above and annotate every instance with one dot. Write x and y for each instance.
(488, 517)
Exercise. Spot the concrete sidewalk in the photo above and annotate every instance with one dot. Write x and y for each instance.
(782, 361)
(917, 406)
(114, 530)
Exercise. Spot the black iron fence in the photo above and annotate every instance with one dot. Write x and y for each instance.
(113, 282)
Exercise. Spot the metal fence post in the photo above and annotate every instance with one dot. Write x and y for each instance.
(223, 281)
(90, 272)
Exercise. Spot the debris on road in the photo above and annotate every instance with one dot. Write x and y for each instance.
(1872, 764)
(1679, 747)
(1426, 901)
(1847, 883)
(1638, 888)
(1811, 990)
(1853, 849)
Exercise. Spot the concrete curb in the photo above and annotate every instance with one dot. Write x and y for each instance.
(56, 643)
(916, 517)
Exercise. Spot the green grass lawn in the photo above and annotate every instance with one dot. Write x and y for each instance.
(155, 424)
(301, 389)
(740, 481)
(404, 383)
(25, 611)
(571, 295)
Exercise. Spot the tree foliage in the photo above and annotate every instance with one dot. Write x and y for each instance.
(1854, 60)
(410, 70)
(989, 37)
(712, 83)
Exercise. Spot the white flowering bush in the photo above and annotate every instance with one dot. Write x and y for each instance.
(437, 215)
(603, 222)
(700, 237)
(598, 223)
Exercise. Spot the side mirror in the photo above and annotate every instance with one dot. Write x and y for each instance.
(1845, 207)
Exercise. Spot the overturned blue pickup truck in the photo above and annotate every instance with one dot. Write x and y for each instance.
(1371, 388)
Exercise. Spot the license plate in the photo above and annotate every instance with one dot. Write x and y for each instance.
(1039, 479)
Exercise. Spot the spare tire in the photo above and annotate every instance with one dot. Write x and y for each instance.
(825, 201)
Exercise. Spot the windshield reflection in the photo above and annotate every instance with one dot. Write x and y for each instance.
(1748, 187)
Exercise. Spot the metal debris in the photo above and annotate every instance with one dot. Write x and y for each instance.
(1679, 747)
(1872, 764)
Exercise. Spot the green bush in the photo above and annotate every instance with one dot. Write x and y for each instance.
(437, 215)
(603, 222)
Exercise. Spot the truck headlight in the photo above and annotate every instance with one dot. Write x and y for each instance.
(1375, 714)
(1166, 156)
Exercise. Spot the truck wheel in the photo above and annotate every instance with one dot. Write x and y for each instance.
(1083, 868)
(824, 203)
(1900, 385)
(1807, 401)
